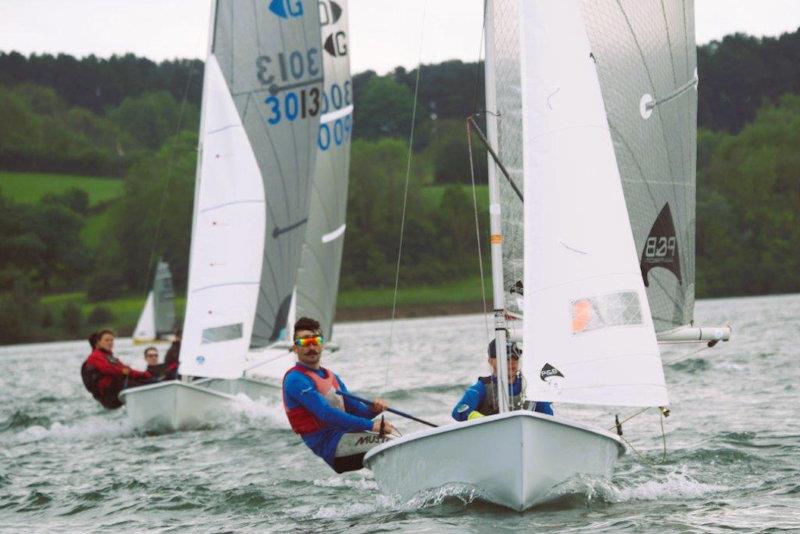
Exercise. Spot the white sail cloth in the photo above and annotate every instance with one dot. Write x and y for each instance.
(225, 267)
(588, 333)
(146, 325)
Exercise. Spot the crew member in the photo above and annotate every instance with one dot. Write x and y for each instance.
(105, 376)
(172, 357)
(338, 429)
(481, 398)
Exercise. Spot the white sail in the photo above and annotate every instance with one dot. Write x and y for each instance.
(146, 325)
(260, 115)
(318, 277)
(588, 334)
(225, 267)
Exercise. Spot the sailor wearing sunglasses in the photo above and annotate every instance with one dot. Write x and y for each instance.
(337, 429)
(481, 398)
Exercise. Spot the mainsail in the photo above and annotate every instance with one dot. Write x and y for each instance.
(588, 334)
(645, 56)
(318, 277)
(262, 100)
(158, 315)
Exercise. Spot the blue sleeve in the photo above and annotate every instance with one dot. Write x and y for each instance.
(472, 398)
(353, 406)
(543, 407)
(300, 390)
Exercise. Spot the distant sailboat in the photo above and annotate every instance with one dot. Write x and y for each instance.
(269, 108)
(597, 114)
(157, 321)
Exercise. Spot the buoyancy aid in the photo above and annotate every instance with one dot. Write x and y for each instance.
(488, 405)
(106, 396)
(301, 419)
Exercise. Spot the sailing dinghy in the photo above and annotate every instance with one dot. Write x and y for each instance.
(597, 106)
(157, 321)
(262, 110)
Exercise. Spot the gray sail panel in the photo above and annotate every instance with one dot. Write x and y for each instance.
(270, 55)
(320, 264)
(644, 51)
(163, 300)
(508, 88)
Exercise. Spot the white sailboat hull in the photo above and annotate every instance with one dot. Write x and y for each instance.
(174, 405)
(516, 460)
(255, 389)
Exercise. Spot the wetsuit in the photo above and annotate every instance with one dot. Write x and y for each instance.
(163, 371)
(105, 376)
(170, 366)
(480, 397)
(299, 391)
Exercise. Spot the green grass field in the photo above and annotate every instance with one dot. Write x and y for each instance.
(433, 195)
(126, 310)
(30, 187)
(468, 290)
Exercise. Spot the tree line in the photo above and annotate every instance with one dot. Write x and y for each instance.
(140, 124)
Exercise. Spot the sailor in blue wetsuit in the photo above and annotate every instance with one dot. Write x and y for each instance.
(340, 431)
(481, 398)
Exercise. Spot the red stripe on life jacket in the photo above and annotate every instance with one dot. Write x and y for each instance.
(301, 419)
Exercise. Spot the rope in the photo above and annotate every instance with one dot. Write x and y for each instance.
(164, 190)
(472, 175)
(477, 231)
(405, 203)
(629, 444)
(687, 356)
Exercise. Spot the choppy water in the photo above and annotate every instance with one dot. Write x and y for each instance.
(733, 440)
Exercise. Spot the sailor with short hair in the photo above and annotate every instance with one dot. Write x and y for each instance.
(337, 429)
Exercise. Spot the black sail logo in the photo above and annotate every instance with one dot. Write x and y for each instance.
(329, 13)
(336, 44)
(549, 373)
(661, 247)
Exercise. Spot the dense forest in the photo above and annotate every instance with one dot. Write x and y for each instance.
(134, 121)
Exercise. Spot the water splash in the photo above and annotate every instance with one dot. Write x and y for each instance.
(89, 429)
(263, 411)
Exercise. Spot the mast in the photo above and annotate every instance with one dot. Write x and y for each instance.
(495, 217)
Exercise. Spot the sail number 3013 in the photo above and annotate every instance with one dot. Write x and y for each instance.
(292, 105)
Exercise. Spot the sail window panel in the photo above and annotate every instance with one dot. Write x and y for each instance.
(604, 311)
(218, 334)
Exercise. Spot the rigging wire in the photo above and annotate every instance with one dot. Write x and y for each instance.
(663, 412)
(472, 175)
(477, 230)
(405, 201)
(159, 217)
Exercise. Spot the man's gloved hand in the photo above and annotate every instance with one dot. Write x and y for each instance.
(475, 414)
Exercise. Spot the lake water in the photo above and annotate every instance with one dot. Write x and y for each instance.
(733, 443)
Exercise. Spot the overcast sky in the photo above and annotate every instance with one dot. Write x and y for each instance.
(383, 33)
